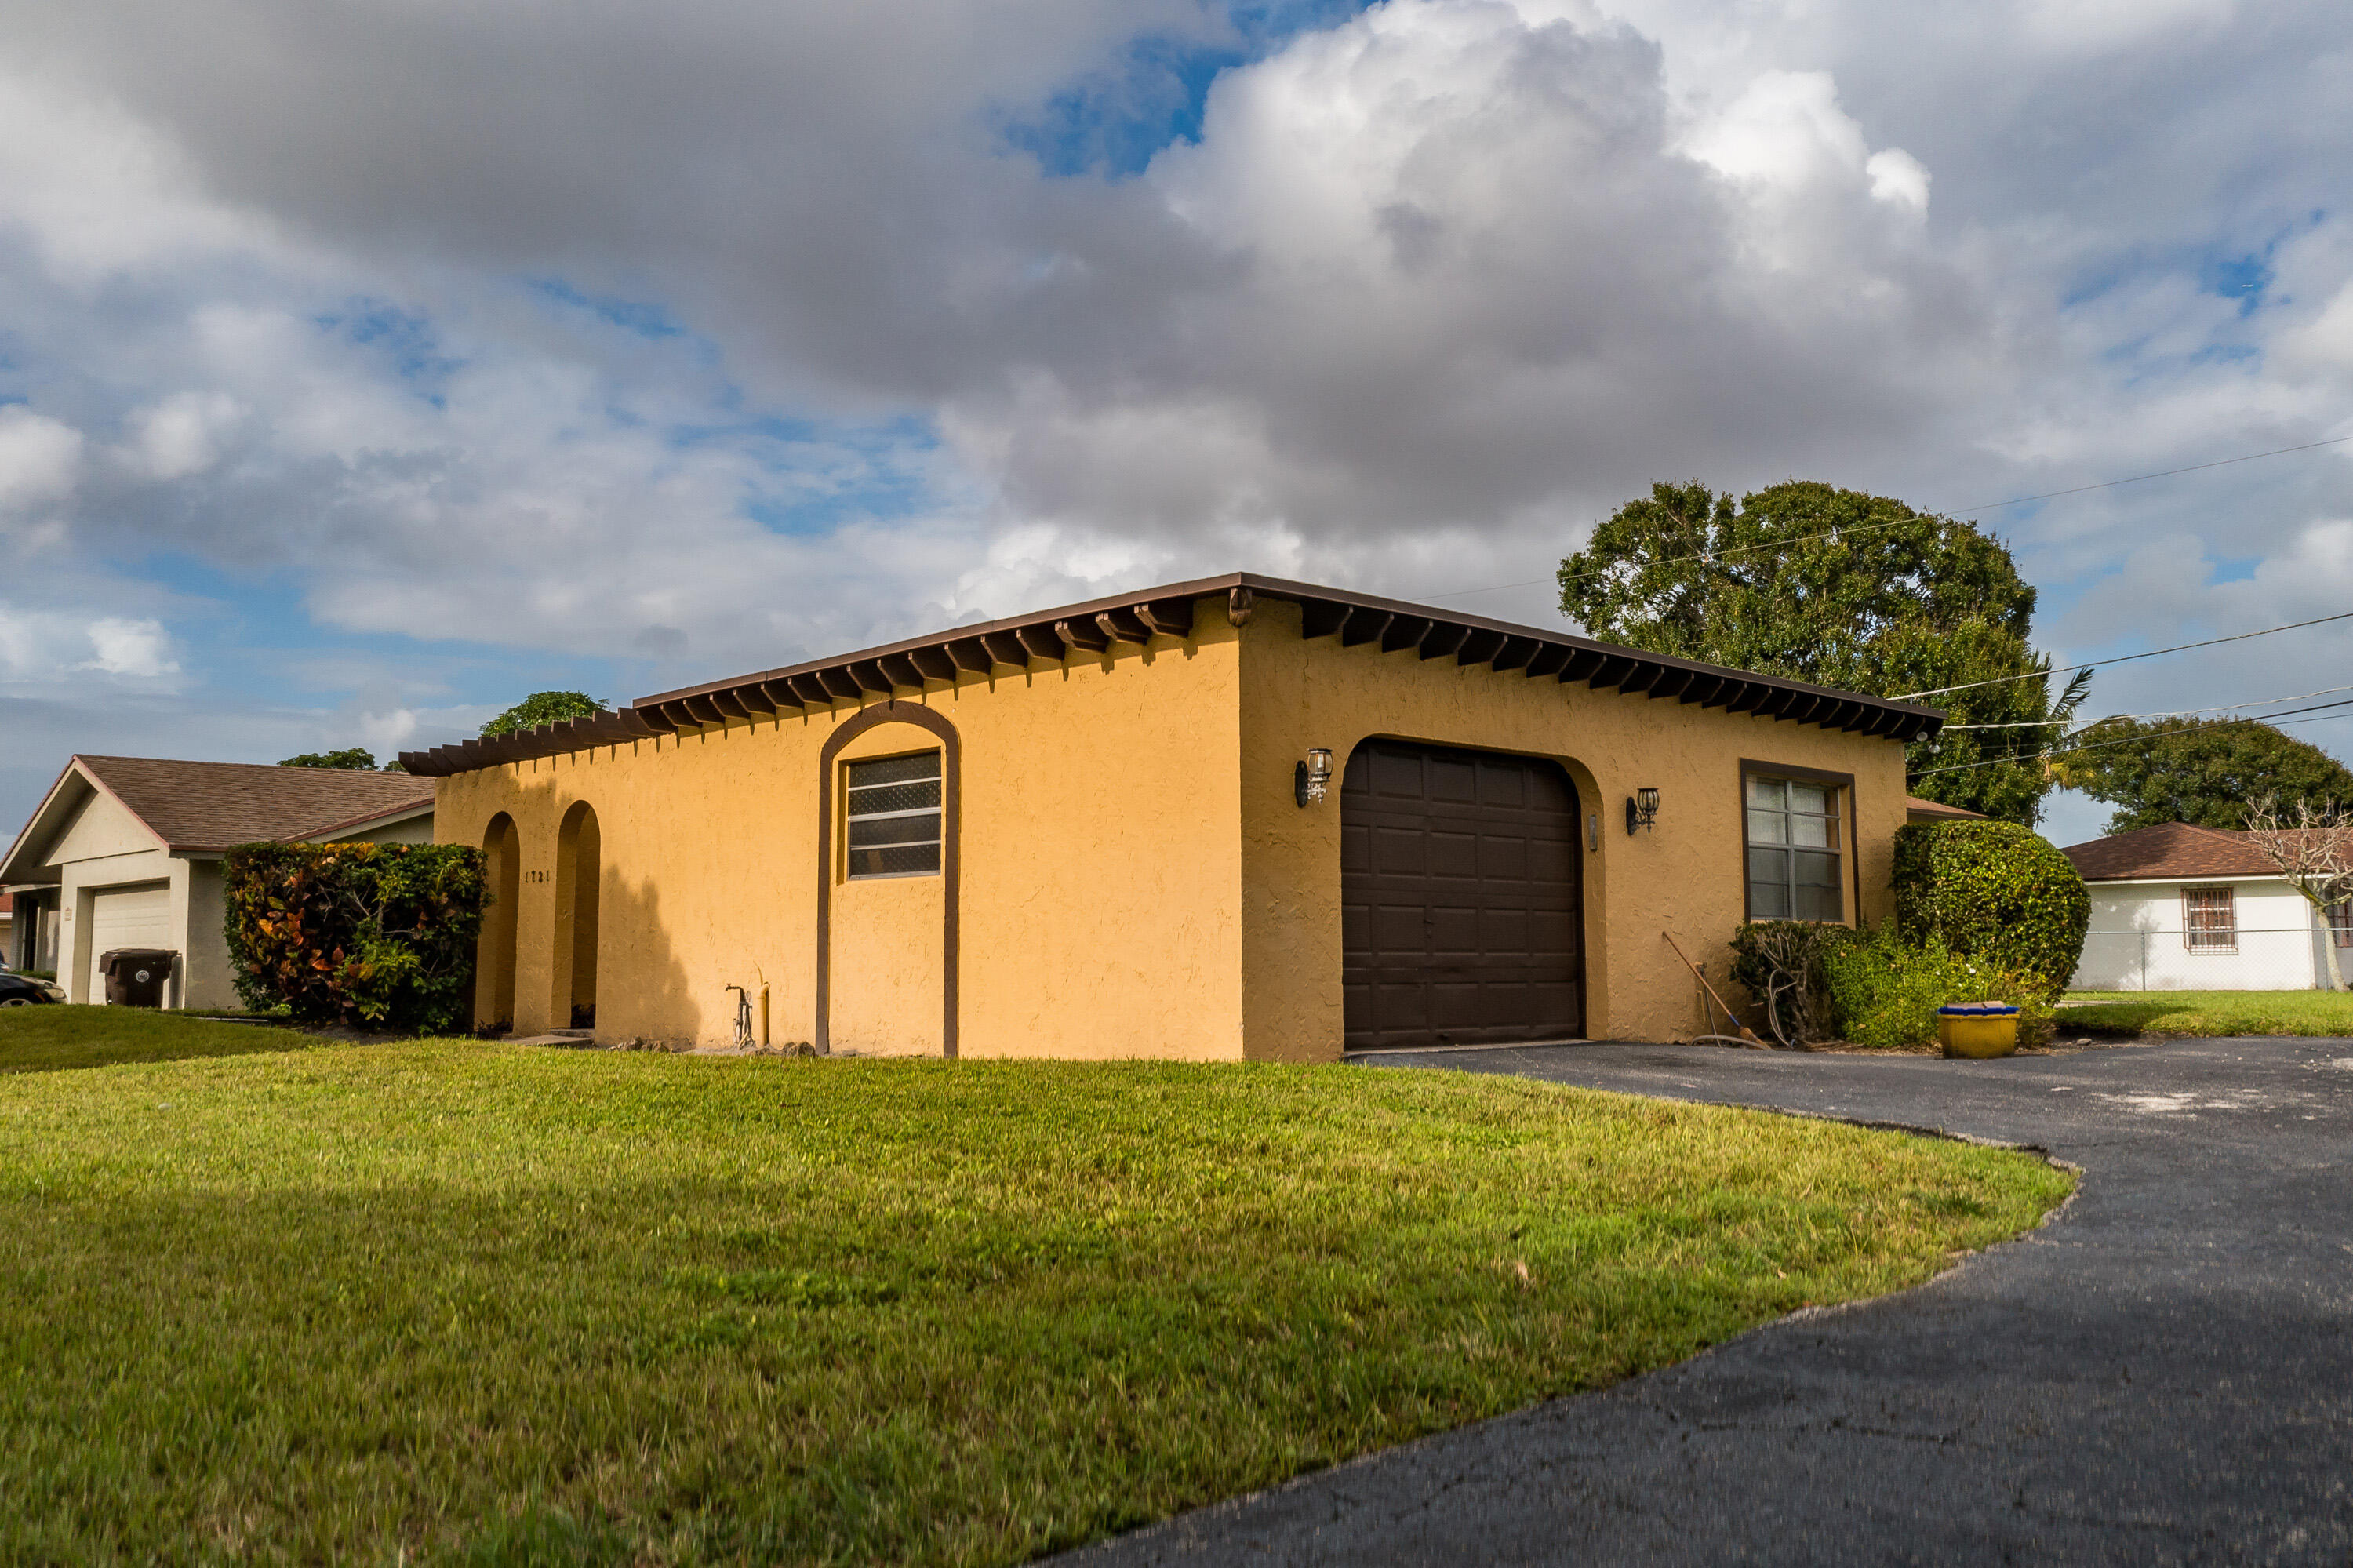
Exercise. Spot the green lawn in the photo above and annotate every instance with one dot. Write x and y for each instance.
(44, 1039)
(451, 1301)
(2322, 1013)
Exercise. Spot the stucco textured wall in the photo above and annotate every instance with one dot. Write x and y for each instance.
(1136, 879)
(1684, 875)
(1099, 868)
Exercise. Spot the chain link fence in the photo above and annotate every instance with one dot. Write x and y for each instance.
(2276, 958)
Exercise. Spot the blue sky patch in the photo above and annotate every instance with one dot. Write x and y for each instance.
(1112, 122)
(405, 339)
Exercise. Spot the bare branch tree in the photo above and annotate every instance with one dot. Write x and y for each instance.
(2315, 854)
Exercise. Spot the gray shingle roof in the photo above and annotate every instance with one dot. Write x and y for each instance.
(212, 805)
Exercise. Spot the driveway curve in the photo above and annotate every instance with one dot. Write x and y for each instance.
(2164, 1373)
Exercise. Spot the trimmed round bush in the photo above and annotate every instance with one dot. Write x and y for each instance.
(1992, 891)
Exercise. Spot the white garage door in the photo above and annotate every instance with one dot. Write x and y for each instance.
(128, 918)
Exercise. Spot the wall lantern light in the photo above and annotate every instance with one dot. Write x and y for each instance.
(1312, 781)
(1641, 809)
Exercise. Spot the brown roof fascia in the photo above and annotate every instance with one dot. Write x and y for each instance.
(1099, 625)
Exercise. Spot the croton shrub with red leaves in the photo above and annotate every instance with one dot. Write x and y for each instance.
(374, 936)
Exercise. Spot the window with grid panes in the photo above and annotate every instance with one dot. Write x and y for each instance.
(894, 815)
(2210, 919)
(1793, 849)
(2340, 923)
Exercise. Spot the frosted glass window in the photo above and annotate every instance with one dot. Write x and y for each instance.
(894, 812)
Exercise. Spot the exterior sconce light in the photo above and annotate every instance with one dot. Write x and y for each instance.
(1312, 781)
(1641, 809)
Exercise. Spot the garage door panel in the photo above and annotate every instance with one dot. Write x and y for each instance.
(1400, 852)
(1355, 847)
(1552, 863)
(1400, 928)
(1456, 1000)
(1400, 1007)
(1551, 1001)
(1399, 775)
(137, 916)
(1453, 853)
(1472, 894)
(1452, 778)
(1503, 931)
(1455, 931)
(1552, 931)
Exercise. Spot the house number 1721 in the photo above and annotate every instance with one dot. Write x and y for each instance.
(536, 876)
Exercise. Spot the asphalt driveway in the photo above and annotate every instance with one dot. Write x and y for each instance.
(2162, 1373)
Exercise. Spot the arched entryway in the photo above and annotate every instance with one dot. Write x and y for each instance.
(579, 854)
(1461, 898)
(934, 774)
(494, 961)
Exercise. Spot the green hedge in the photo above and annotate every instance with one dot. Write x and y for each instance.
(1884, 990)
(375, 936)
(1995, 891)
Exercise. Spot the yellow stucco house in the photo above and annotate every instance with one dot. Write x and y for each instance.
(1237, 818)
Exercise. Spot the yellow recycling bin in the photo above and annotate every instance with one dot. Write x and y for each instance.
(1977, 1029)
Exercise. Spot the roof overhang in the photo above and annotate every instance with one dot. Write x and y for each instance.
(74, 787)
(353, 825)
(2175, 878)
(1048, 637)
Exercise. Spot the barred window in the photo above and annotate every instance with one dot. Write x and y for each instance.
(2340, 923)
(2210, 919)
(894, 813)
(1793, 849)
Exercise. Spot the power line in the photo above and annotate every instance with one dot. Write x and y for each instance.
(2166, 473)
(2170, 713)
(2101, 744)
(2126, 658)
(1961, 512)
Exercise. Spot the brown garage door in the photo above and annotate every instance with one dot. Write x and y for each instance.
(1460, 897)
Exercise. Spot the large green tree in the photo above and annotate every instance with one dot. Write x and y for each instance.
(1847, 589)
(544, 707)
(357, 759)
(2205, 771)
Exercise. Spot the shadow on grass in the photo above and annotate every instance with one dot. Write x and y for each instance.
(53, 1039)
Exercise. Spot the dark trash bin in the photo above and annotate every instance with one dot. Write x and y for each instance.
(135, 976)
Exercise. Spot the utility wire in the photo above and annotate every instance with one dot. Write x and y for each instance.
(2101, 744)
(1868, 527)
(2168, 713)
(2124, 658)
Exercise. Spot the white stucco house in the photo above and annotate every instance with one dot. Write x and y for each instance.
(126, 851)
(2177, 907)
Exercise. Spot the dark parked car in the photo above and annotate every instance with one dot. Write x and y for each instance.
(23, 990)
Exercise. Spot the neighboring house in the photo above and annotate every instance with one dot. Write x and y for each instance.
(8, 927)
(1918, 810)
(126, 851)
(1100, 832)
(2177, 907)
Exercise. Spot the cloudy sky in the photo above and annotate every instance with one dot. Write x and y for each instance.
(367, 363)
